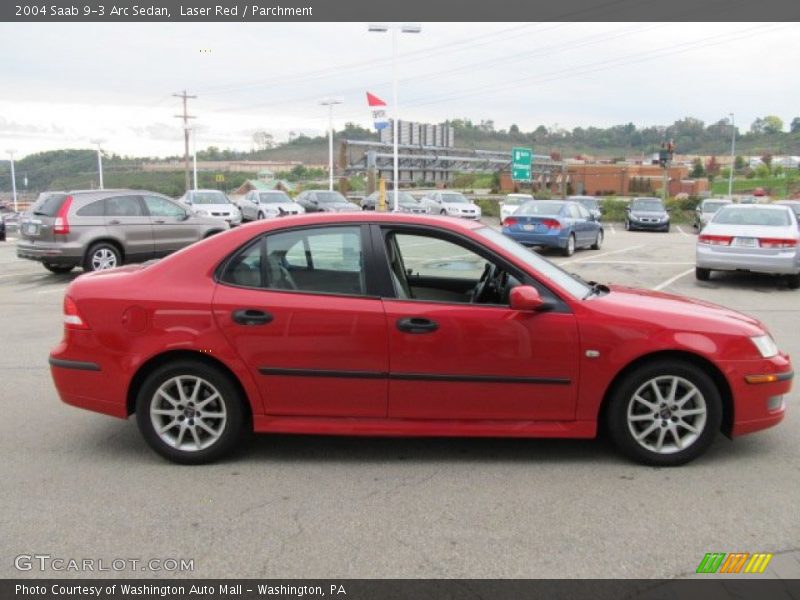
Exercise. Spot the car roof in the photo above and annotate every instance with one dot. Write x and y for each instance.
(371, 217)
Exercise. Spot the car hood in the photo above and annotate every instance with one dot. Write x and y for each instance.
(676, 312)
(214, 207)
(339, 207)
(286, 206)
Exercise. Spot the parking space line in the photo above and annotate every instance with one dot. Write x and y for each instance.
(672, 280)
(635, 262)
(579, 260)
(679, 228)
(51, 291)
(613, 229)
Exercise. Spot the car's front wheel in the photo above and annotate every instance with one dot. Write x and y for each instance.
(598, 241)
(102, 256)
(190, 412)
(665, 413)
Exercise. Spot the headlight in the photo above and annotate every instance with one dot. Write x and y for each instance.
(766, 345)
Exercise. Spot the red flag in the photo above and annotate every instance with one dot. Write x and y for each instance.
(374, 100)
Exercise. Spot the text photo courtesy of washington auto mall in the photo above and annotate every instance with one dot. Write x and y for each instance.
(399, 300)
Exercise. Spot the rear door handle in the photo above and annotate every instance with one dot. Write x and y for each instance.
(417, 325)
(113, 222)
(159, 221)
(251, 316)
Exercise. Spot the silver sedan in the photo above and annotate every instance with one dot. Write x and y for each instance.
(754, 237)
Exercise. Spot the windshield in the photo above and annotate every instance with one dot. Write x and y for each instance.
(540, 207)
(710, 207)
(734, 215)
(516, 200)
(589, 203)
(649, 204)
(329, 197)
(541, 265)
(274, 198)
(209, 198)
(454, 198)
(403, 198)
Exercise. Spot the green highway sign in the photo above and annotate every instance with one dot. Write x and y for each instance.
(521, 164)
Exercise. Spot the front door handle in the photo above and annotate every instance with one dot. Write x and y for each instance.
(159, 221)
(114, 222)
(417, 325)
(251, 316)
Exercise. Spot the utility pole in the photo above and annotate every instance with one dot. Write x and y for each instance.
(733, 158)
(13, 179)
(99, 160)
(186, 131)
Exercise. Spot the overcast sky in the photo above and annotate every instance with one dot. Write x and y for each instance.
(62, 85)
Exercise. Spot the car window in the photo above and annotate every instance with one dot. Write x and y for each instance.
(539, 207)
(209, 198)
(124, 206)
(326, 260)
(432, 257)
(93, 209)
(582, 212)
(161, 207)
(733, 215)
(245, 267)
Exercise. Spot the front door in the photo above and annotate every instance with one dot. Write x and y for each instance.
(127, 221)
(171, 228)
(294, 305)
(457, 356)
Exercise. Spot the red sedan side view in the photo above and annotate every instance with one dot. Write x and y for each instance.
(405, 325)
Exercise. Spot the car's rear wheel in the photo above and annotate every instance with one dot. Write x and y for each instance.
(59, 269)
(793, 281)
(569, 249)
(102, 256)
(702, 274)
(665, 413)
(190, 412)
(598, 241)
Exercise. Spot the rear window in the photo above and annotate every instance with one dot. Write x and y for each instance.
(732, 215)
(48, 205)
(539, 207)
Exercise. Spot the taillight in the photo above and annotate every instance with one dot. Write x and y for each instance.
(72, 318)
(61, 226)
(715, 240)
(510, 221)
(777, 243)
(551, 224)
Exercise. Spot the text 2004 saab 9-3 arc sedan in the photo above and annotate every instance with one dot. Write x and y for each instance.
(390, 324)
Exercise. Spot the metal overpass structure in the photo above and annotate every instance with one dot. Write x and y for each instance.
(431, 165)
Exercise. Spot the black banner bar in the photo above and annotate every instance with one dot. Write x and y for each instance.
(398, 10)
(401, 589)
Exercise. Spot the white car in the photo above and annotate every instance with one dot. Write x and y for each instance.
(212, 203)
(257, 205)
(453, 204)
(762, 238)
(511, 203)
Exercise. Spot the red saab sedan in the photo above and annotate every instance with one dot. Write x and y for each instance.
(404, 325)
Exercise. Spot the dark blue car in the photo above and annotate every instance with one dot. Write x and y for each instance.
(558, 224)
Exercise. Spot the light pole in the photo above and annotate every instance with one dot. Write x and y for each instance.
(99, 160)
(13, 179)
(404, 28)
(194, 157)
(330, 103)
(733, 158)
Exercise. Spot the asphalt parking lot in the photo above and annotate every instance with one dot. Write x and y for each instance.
(80, 485)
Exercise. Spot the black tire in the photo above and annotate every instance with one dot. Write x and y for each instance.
(101, 249)
(793, 281)
(636, 384)
(570, 248)
(598, 241)
(443, 212)
(58, 269)
(260, 216)
(231, 428)
(702, 274)
(666, 229)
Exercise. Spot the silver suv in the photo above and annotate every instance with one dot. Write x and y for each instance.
(103, 229)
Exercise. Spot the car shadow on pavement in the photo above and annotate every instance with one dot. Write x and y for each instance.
(754, 282)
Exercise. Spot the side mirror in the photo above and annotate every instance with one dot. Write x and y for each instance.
(628, 209)
(526, 297)
(668, 209)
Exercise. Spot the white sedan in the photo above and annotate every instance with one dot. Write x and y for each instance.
(257, 205)
(761, 238)
(511, 203)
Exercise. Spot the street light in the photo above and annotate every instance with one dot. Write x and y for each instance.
(404, 28)
(99, 160)
(13, 179)
(733, 158)
(330, 103)
(194, 156)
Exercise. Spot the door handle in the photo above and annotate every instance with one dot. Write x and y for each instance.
(251, 316)
(114, 222)
(417, 325)
(159, 221)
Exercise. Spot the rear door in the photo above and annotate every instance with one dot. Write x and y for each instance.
(126, 220)
(313, 337)
(171, 228)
